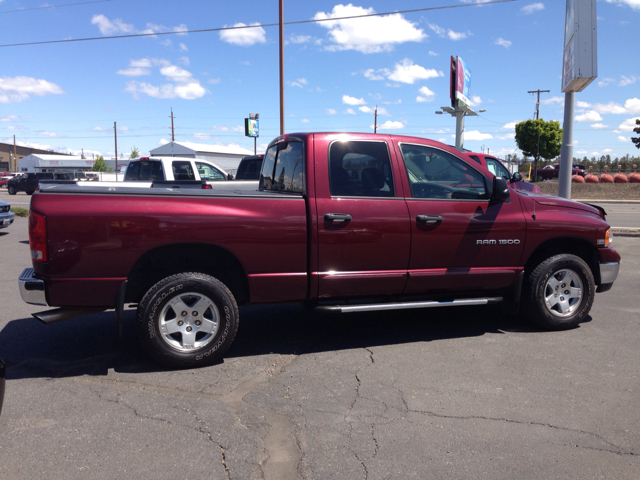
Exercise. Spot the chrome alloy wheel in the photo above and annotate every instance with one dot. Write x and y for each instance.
(563, 293)
(189, 321)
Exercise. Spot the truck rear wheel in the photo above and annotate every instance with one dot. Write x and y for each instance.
(559, 292)
(187, 320)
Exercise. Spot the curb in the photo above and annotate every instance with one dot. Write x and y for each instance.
(625, 232)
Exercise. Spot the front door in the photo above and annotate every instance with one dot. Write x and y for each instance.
(460, 240)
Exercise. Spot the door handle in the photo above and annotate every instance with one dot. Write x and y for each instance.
(429, 219)
(337, 217)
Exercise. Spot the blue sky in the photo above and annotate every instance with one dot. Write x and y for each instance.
(67, 96)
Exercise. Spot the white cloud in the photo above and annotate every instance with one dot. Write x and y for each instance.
(450, 34)
(591, 116)
(346, 99)
(134, 72)
(331, 111)
(407, 72)
(186, 91)
(304, 120)
(176, 74)
(580, 104)
(511, 125)
(599, 126)
(299, 38)
(426, 95)
(18, 89)
(474, 135)
(108, 27)
(367, 35)
(47, 134)
(628, 80)
(381, 110)
(533, 7)
(101, 129)
(502, 42)
(379, 74)
(635, 4)
(627, 126)
(475, 101)
(605, 81)
(9, 118)
(244, 37)
(141, 63)
(624, 139)
(350, 111)
(213, 81)
(183, 48)
(552, 100)
(389, 125)
(631, 107)
(202, 136)
(300, 82)
(433, 54)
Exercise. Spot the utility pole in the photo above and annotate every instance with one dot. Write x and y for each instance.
(15, 155)
(173, 137)
(538, 101)
(115, 136)
(375, 121)
(281, 67)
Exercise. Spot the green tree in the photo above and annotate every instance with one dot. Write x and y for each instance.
(135, 153)
(537, 138)
(636, 140)
(99, 165)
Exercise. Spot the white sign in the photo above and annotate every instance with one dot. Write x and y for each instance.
(580, 58)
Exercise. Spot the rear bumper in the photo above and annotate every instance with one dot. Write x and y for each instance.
(31, 288)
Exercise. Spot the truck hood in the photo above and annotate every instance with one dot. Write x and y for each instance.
(559, 202)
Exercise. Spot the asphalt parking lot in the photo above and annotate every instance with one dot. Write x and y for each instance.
(455, 393)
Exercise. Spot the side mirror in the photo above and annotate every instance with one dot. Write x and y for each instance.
(229, 176)
(517, 176)
(500, 190)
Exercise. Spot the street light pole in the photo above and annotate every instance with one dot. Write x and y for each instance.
(460, 112)
(281, 67)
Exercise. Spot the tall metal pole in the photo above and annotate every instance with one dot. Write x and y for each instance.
(566, 154)
(115, 136)
(15, 155)
(281, 67)
(459, 128)
(173, 137)
(375, 121)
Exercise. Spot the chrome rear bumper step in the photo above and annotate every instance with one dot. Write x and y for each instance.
(372, 307)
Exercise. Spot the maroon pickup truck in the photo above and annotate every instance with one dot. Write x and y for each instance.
(341, 222)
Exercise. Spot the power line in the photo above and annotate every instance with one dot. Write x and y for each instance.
(220, 29)
(52, 6)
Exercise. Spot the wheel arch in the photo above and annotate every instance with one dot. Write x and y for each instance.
(168, 260)
(574, 246)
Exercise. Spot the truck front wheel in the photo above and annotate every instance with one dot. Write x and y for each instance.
(559, 292)
(12, 189)
(187, 320)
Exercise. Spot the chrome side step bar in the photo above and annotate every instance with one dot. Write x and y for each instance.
(373, 307)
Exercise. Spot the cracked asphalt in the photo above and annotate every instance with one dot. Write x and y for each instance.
(424, 394)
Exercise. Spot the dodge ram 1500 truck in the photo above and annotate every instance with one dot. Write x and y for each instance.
(343, 222)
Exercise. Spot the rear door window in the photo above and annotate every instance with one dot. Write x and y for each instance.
(182, 170)
(360, 169)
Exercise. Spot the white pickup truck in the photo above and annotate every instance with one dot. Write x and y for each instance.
(142, 172)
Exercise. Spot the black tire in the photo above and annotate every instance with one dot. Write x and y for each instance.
(12, 189)
(187, 320)
(559, 292)
(30, 192)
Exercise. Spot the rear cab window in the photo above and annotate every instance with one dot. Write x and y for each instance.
(145, 170)
(283, 168)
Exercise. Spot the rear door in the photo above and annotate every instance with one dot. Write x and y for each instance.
(460, 240)
(363, 222)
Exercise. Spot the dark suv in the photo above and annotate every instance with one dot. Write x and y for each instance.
(27, 182)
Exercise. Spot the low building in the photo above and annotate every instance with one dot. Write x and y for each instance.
(40, 162)
(8, 163)
(226, 157)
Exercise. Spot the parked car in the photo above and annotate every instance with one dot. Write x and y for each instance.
(4, 179)
(547, 173)
(6, 215)
(27, 182)
(496, 167)
(249, 167)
